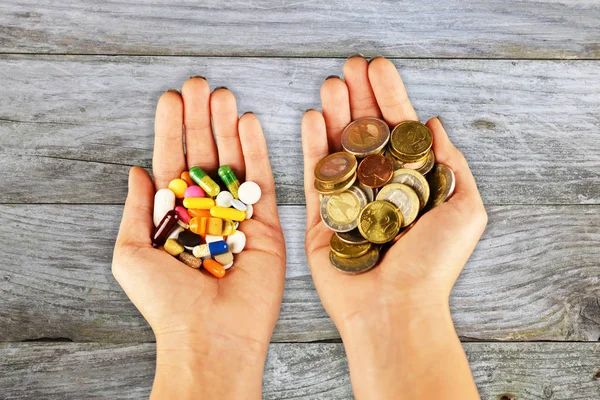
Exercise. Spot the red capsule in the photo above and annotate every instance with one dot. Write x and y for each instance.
(165, 227)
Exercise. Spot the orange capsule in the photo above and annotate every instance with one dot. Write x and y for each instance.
(196, 212)
(186, 177)
(213, 267)
(214, 226)
(198, 225)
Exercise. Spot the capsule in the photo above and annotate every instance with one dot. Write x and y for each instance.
(229, 227)
(204, 181)
(164, 200)
(186, 177)
(198, 225)
(214, 268)
(214, 226)
(198, 213)
(165, 227)
(228, 213)
(173, 247)
(203, 203)
(184, 216)
(190, 260)
(210, 249)
(178, 186)
(229, 179)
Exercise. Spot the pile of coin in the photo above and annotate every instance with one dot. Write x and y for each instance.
(374, 191)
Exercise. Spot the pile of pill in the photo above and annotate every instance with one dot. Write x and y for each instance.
(198, 223)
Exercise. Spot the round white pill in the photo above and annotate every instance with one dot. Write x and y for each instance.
(213, 238)
(176, 232)
(238, 205)
(227, 266)
(236, 242)
(164, 201)
(249, 211)
(236, 224)
(249, 192)
(224, 199)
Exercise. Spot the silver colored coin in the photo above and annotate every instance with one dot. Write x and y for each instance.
(441, 182)
(369, 192)
(352, 237)
(355, 265)
(403, 197)
(416, 181)
(346, 213)
(429, 163)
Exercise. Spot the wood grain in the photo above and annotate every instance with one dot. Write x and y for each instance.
(557, 371)
(533, 276)
(428, 29)
(528, 128)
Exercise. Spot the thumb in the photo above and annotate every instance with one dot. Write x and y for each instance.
(136, 225)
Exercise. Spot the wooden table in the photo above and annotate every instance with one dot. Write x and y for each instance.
(517, 84)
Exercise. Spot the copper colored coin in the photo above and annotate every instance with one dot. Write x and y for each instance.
(375, 171)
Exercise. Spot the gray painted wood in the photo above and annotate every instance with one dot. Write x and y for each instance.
(533, 276)
(71, 126)
(469, 28)
(557, 371)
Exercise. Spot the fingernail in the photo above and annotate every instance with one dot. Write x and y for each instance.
(174, 91)
(309, 109)
(374, 58)
(197, 76)
(440, 119)
(247, 112)
(332, 76)
(356, 55)
(220, 87)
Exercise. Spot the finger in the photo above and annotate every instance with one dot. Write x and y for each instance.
(225, 124)
(258, 167)
(362, 98)
(336, 109)
(136, 225)
(447, 154)
(390, 92)
(314, 148)
(168, 160)
(199, 142)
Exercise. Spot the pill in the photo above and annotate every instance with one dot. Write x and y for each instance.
(214, 226)
(175, 233)
(224, 258)
(227, 266)
(190, 260)
(203, 203)
(164, 200)
(213, 238)
(236, 224)
(249, 211)
(184, 216)
(198, 225)
(204, 181)
(173, 247)
(211, 249)
(186, 177)
(229, 179)
(238, 205)
(236, 242)
(229, 227)
(228, 213)
(249, 192)
(198, 213)
(224, 199)
(178, 186)
(165, 227)
(214, 268)
(189, 239)
(194, 191)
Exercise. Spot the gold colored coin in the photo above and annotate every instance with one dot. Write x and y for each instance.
(379, 221)
(441, 181)
(326, 189)
(345, 250)
(403, 197)
(352, 237)
(355, 265)
(410, 141)
(340, 212)
(335, 168)
(429, 163)
(365, 136)
(416, 181)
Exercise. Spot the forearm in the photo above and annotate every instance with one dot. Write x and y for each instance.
(201, 370)
(407, 355)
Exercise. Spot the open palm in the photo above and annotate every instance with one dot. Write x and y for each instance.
(424, 264)
(180, 302)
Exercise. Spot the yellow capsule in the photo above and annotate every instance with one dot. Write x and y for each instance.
(198, 225)
(178, 186)
(214, 226)
(202, 203)
(228, 228)
(228, 213)
(173, 247)
(204, 181)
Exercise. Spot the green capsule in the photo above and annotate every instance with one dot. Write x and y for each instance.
(204, 181)
(229, 179)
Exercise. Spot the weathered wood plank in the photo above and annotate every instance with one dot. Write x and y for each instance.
(469, 28)
(529, 129)
(534, 276)
(309, 371)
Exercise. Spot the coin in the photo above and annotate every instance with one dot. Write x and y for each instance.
(416, 181)
(416, 164)
(352, 237)
(375, 171)
(355, 265)
(365, 136)
(340, 212)
(441, 182)
(379, 221)
(429, 163)
(335, 168)
(397, 163)
(410, 141)
(326, 189)
(370, 192)
(403, 197)
(346, 250)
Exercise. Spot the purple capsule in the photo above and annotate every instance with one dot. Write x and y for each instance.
(165, 227)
